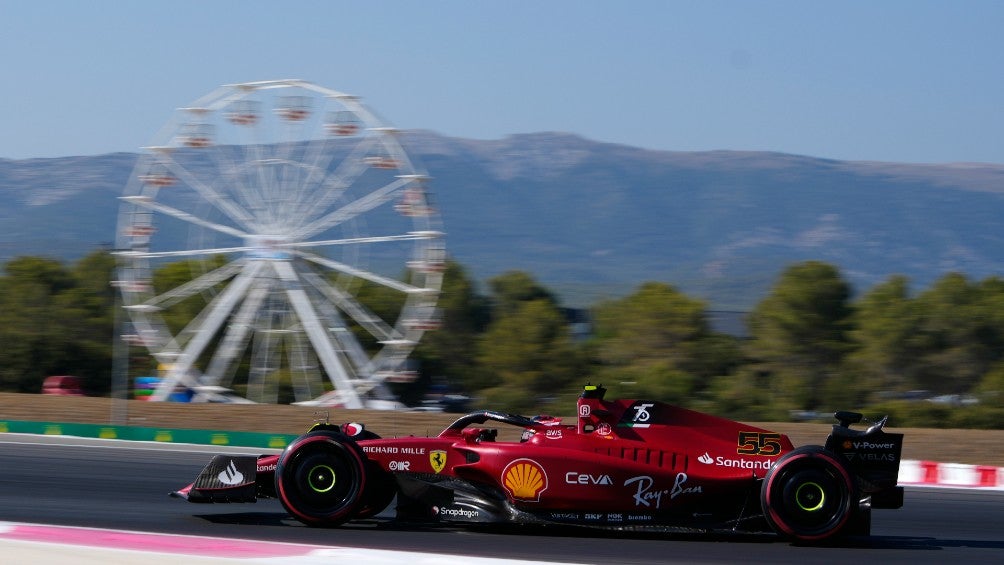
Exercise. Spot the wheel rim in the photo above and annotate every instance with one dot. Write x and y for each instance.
(810, 497)
(322, 478)
(315, 484)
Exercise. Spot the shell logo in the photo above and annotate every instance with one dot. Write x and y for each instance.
(524, 479)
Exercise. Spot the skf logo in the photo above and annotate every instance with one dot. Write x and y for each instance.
(524, 479)
(437, 458)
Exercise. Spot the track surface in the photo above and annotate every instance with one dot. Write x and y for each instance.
(117, 485)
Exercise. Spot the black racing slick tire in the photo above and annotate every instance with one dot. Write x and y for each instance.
(320, 478)
(809, 495)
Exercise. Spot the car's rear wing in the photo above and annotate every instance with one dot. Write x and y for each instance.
(873, 455)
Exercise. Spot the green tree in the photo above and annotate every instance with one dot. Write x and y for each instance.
(992, 311)
(509, 290)
(526, 357)
(745, 395)
(449, 352)
(86, 312)
(658, 340)
(799, 334)
(887, 336)
(959, 333)
(990, 390)
(34, 335)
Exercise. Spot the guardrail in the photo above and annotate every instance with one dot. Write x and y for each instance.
(135, 433)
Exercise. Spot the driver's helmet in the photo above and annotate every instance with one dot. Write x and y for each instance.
(542, 419)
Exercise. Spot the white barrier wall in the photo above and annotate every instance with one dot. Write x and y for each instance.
(934, 473)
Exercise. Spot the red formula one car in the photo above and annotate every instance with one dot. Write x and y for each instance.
(624, 463)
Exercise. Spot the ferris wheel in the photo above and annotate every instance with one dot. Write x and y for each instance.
(275, 233)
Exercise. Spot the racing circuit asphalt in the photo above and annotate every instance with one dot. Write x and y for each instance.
(121, 485)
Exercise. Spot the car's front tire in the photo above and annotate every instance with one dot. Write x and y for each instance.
(320, 478)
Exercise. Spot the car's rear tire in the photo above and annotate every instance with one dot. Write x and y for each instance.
(320, 478)
(809, 495)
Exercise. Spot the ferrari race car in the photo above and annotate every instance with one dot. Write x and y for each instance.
(624, 463)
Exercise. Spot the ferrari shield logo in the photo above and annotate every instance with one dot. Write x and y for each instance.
(437, 458)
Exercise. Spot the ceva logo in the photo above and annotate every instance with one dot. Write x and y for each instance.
(231, 476)
(706, 459)
(574, 478)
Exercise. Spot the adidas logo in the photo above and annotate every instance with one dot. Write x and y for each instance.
(706, 459)
(231, 476)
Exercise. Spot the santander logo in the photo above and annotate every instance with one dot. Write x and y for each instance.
(231, 476)
(720, 461)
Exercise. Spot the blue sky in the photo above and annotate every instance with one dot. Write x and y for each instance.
(911, 81)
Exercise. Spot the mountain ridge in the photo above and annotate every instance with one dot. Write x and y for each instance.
(593, 219)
